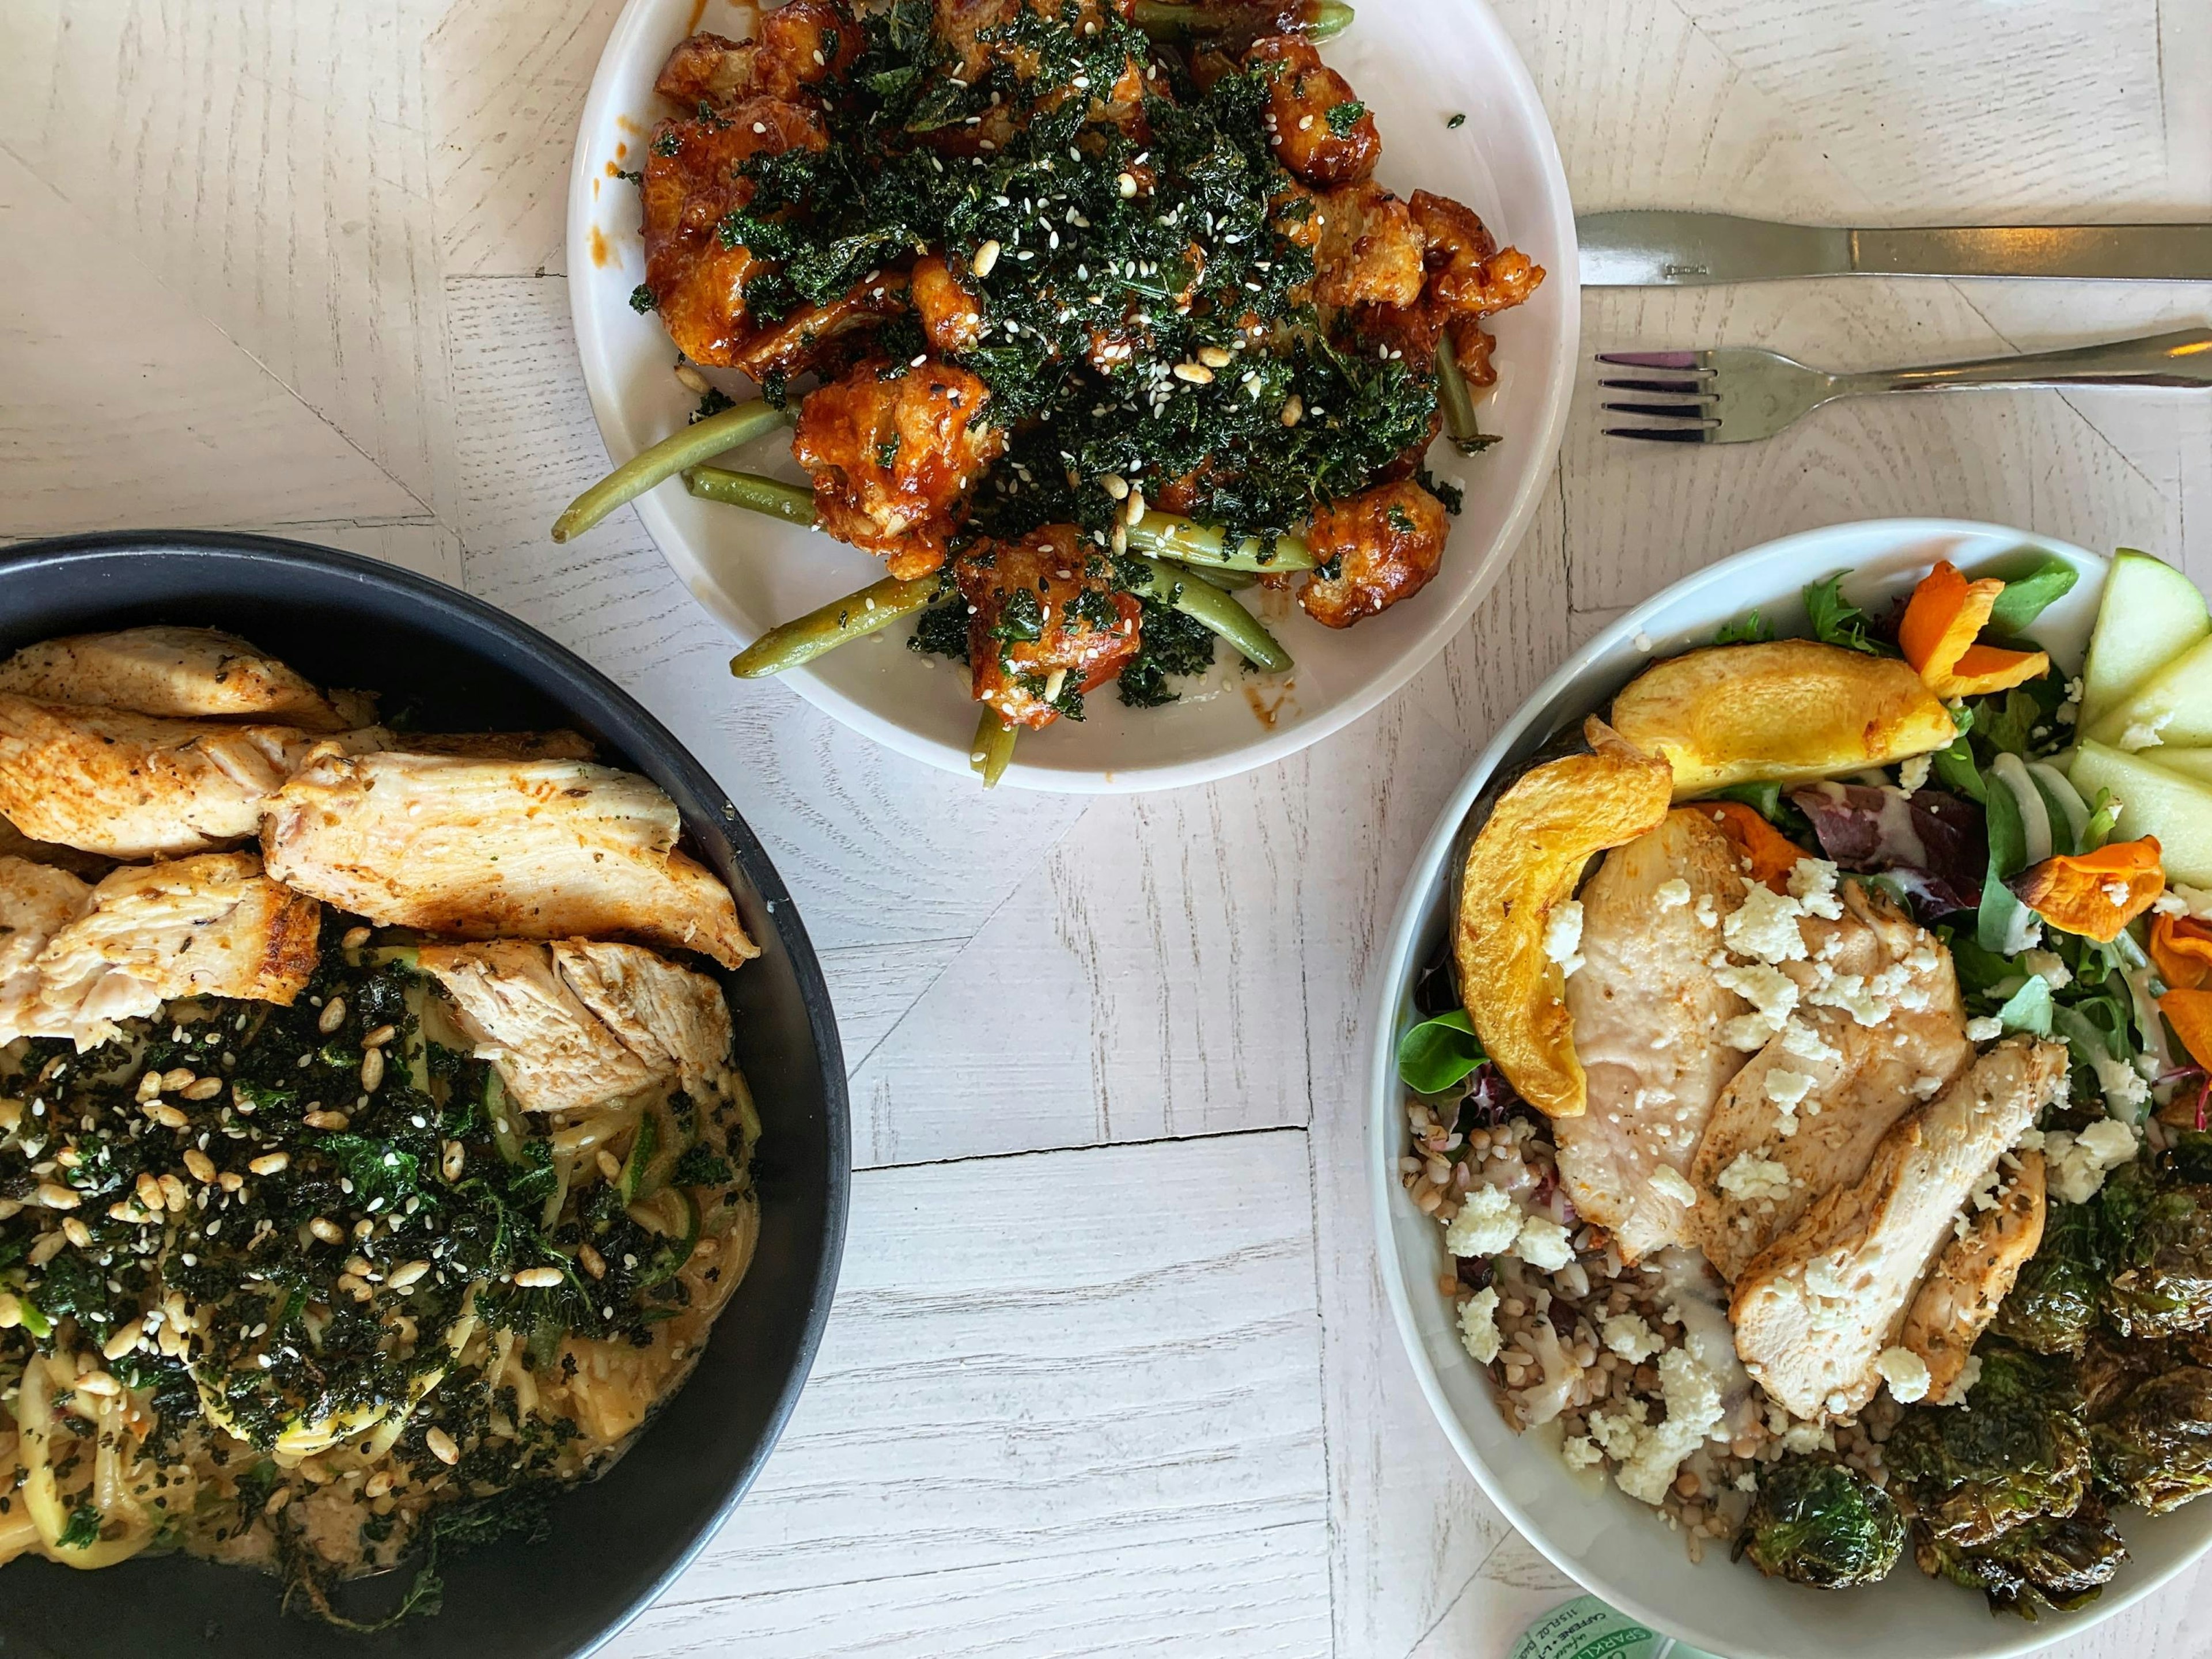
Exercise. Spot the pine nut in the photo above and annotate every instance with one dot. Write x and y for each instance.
(201, 1165)
(98, 1382)
(326, 1229)
(1213, 357)
(1127, 184)
(149, 1187)
(1294, 409)
(380, 1037)
(377, 1484)
(406, 1273)
(326, 1120)
(442, 1447)
(538, 1279)
(333, 1016)
(1133, 512)
(372, 1070)
(206, 1089)
(270, 1164)
(986, 259)
(55, 1196)
(76, 1232)
(125, 1341)
(609, 1165)
(168, 1116)
(692, 381)
(1196, 374)
(355, 938)
(149, 1085)
(230, 1181)
(456, 1159)
(11, 1310)
(592, 1262)
(175, 1081)
(1117, 486)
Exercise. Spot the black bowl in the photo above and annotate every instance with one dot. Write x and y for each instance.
(463, 666)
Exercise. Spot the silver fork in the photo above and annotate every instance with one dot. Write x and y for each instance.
(1738, 393)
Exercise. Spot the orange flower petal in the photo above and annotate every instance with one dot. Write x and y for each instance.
(1982, 669)
(1945, 614)
(2094, 895)
(2190, 1013)
(2181, 948)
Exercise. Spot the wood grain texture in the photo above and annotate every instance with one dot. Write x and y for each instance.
(1111, 1371)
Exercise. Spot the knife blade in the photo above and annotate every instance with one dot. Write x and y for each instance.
(1649, 247)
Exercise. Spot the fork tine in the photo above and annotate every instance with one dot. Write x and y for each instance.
(1671, 388)
(1683, 412)
(1665, 434)
(1689, 361)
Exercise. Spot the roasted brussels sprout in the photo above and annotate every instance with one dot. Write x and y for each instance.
(2064, 1562)
(1816, 1521)
(2018, 1451)
(2111, 1366)
(2155, 1450)
(2053, 1303)
(2158, 1239)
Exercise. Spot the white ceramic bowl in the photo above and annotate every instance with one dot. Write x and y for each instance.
(1607, 1541)
(1417, 62)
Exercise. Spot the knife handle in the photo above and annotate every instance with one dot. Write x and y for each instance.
(2183, 358)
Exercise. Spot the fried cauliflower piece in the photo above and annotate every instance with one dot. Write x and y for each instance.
(950, 316)
(695, 178)
(797, 46)
(1045, 617)
(180, 673)
(894, 450)
(1316, 126)
(1384, 545)
(1366, 248)
(493, 849)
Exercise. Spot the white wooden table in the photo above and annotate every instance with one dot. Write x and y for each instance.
(1110, 1370)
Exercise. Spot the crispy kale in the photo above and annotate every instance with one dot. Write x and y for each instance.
(2064, 1562)
(2018, 1453)
(1816, 1521)
(2155, 1449)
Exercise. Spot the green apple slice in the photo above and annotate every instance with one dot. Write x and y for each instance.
(2172, 708)
(2190, 762)
(2149, 615)
(2155, 801)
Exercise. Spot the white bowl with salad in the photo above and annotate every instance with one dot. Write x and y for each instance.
(1989, 755)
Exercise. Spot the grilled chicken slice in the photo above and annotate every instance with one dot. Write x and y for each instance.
(578, 1024)
(137, 785)
(184, 673)
(1815, 1310)
(498, 849)
(1811, 1106)
(37, 901)
(1972, 1275)
(208, 925)
(1647, 1012)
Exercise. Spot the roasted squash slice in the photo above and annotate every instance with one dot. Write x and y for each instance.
(1788, 710)
(1524, 865)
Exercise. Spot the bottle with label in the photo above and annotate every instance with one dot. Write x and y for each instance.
(1585, 1628)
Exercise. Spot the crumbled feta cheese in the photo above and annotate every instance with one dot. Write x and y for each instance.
(1581, 1452)
(1672, 895)
(1764, 927)
(1478, 1326)
(1913, 774)
(1562, 934)
(1813, 884)
(1969, 1374)
(1627, 1336)
(1926, 1088)
(1693, 1395)
(1786, 1089)
(1807, 1044)
(2075, 1164)
(1986, 1028)
(2169, 903)
(1856, 996)
(2144, 734)
(1906, 1374)
(1803, 1437)
(2049, 967)
(1747, 1481)
(1707, 915)
(2117, 892)
(1620, 1429)
(2198, 899)
(1753, 1175)
(1486, 1224)
(1667, 1182)
(1772, 995)
(2123, 1086)
(1543, 1244)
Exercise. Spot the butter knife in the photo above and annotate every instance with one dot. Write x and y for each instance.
(1649, 247)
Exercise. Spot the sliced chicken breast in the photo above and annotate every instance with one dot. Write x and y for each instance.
(1646, 1011)
(136, 786)
(191, 673)
(1973, 1274)
(1804, 1117)
(579, 1023)
(499, 849)
(37, 901)
(1814, 1311)
(208, 925)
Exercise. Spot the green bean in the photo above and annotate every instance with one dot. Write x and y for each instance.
(1457, 401)
(1317, 20)
(1228, 580)
(993, 751)
(1211, 608)
(792, 502)
(1171, 537)
(665, 460)
(801, 640)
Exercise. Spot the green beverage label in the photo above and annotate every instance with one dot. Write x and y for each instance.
(1585, 1628)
